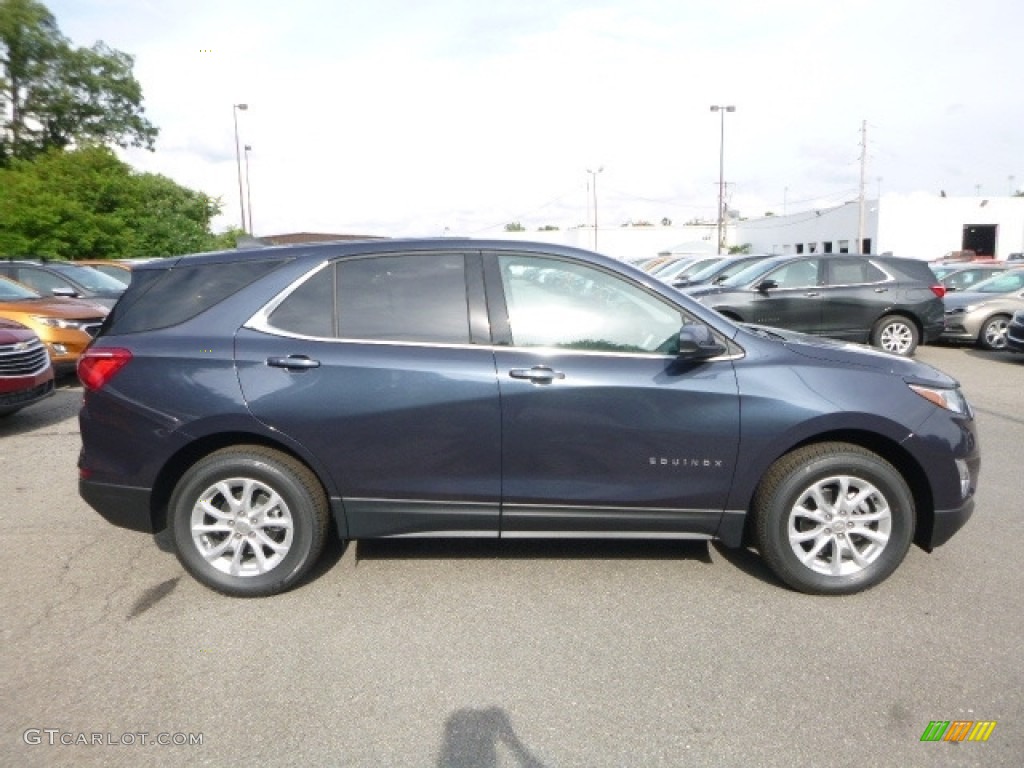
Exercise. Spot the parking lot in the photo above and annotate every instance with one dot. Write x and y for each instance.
(516, 653)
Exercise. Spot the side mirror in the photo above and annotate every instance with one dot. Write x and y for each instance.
(766, 285)
(67, 293)
(698, 342)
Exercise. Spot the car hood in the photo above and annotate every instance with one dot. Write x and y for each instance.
(856, 355)
(963, 298)
(12, 332)
(56, 307)
(960, 300)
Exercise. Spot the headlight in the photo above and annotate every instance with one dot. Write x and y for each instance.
(949, 399)
(58, 322)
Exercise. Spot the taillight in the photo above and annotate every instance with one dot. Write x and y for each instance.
(97, 366)
(939, 290)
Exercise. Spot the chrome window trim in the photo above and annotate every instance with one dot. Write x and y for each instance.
(260, 322)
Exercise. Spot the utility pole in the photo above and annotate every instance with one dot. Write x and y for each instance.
(860, 193)
(721, 109)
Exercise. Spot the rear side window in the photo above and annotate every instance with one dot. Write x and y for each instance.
(405, 298)
(160, 299)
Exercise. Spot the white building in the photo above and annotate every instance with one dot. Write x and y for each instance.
(915, 226)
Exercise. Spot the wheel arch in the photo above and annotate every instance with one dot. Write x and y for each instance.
(890, 450)
(175, 467)
(902, 313)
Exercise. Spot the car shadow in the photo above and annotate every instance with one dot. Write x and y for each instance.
(749, 562)
(531, 549)
(1000, 356)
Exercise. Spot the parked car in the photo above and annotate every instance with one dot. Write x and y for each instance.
(119, 270)
(981, 316)
(719, 271)
(251, 402)
(964, 278)
(63, 278)
(681, 269)
(26, 375)
(891, 303)
(1015, 332)
(1013, 257)
(66, 326)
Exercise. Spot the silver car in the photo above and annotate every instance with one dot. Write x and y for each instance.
(981, 316)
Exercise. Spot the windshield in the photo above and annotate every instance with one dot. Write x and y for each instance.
(88, 277)
(1003, 283)
(751, 273)
(12, 291)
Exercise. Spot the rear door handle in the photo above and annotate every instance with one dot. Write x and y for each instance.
(293, 362)
(812, 293)
(539, 374)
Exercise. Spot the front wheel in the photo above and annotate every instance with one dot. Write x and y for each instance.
(833, 519)
(895, 334)
(248, 521)
(993, 332)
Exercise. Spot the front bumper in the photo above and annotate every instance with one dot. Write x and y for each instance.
(945, 523)
(1015, 337)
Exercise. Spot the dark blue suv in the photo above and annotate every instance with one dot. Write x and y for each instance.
(255, 401)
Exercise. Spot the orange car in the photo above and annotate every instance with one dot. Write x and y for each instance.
(66, 326)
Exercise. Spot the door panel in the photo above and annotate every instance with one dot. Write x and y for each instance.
(603, 428)
(369, 365)
(392, 422)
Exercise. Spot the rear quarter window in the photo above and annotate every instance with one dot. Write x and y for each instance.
(164, 298)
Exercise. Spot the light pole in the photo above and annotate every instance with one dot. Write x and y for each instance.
(721, 168)
(238, 161)
(248, 187)
(593, 175)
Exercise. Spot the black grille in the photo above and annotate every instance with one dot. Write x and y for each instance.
(23, 359)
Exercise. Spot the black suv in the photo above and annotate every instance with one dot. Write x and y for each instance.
(253, 401)
(891, 303)
(64, 278)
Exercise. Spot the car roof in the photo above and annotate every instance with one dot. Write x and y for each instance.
(341, 248)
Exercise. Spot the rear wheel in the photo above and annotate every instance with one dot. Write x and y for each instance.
(895, 334)
(833, 518)
(993, 332)
(248, 521)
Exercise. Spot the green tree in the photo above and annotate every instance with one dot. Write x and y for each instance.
(514, 226)
(54, 95)
(86, 203)
(547, 228)
(740, 249)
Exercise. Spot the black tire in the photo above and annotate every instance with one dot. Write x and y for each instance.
(787, 487)
(993, 332)
(272, 545)
(896, 334)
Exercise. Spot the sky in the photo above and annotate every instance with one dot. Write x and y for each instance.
(432, 117)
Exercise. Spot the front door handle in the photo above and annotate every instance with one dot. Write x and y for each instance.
(881, 290)
(812, 293)
(539, 374)
(293, 362)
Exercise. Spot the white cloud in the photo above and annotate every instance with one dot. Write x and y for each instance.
(399, 118)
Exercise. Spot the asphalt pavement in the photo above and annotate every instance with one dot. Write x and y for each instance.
(516, 653)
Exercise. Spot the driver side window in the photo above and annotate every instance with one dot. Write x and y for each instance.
(553, 303)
